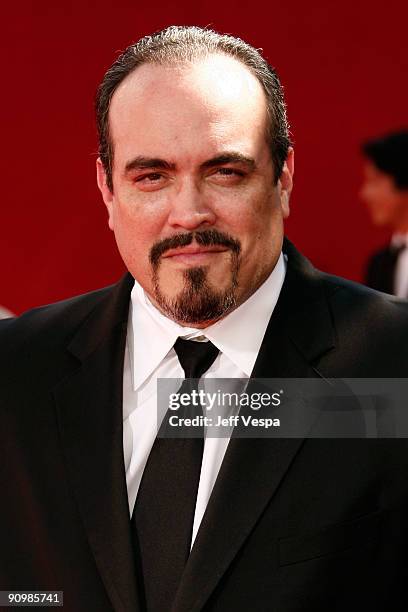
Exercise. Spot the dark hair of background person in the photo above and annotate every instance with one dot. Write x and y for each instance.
(390, 155)
(182, 44)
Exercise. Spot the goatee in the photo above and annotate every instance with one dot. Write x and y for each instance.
(197, 302)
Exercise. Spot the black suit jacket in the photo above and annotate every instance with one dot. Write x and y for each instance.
(292, 524)
(380, 273)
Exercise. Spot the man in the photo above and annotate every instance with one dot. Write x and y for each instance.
(385, 191)
(196, 170)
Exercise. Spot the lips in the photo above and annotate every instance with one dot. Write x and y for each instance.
(192, 250)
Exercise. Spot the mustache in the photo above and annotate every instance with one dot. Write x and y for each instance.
(209, 237)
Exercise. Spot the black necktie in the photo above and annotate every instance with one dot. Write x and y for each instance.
(165, 505)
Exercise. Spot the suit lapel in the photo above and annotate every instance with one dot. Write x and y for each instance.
(298, 333)
(89, 412)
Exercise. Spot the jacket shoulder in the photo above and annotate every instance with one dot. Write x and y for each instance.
(371, 331)
(52, 323)
(354, 298)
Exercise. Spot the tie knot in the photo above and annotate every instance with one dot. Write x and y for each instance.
(195, 357)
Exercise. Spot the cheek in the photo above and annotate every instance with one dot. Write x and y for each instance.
(250, 214)
(135, 232)
(138, 219)
(384, 201)
(260, 225)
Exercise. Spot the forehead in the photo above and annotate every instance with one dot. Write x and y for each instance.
(371, 172)
(215, 101)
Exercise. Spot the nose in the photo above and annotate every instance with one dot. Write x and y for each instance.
(365, 194)
(190, 208)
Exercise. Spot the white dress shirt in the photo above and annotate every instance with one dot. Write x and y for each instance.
(401, 269)
(4, 313)
(150, 355)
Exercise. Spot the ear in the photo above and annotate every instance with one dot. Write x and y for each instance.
(107, 194)
(286, 182)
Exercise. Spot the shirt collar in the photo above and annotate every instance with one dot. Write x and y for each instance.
(151, 335)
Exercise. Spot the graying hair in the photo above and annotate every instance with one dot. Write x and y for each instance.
(183, 44)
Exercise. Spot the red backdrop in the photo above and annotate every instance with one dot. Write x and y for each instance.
(344, 68)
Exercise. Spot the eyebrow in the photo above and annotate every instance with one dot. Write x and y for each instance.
(230, 158)
(142, 163)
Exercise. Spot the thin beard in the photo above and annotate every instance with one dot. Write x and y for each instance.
(198, 302)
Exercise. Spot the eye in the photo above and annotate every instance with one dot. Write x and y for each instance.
(151, 181)
(227, 176)
(229, 172)
(153, 177)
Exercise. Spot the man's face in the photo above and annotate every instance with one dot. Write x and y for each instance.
(197, 217)
(385, 202)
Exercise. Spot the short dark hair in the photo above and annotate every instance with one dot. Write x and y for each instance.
(390, 155)
(185, 44)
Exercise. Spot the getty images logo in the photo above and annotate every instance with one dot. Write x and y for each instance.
(218, 399)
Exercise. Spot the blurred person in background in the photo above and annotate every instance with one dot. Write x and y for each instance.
(385, 192)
